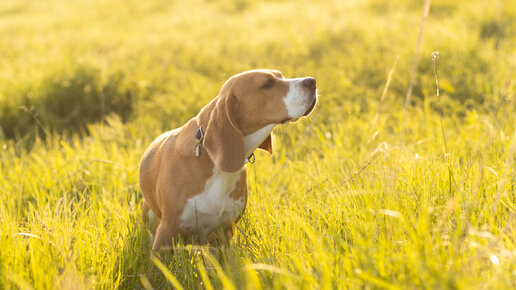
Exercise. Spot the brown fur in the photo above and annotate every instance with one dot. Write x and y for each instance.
(171, 173)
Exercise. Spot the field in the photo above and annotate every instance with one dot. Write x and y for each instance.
(364, 193)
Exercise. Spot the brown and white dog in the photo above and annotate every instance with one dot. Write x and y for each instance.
(193, 178)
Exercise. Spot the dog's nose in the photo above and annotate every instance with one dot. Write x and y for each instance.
(309, 83)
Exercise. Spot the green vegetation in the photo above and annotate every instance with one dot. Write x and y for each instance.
(347, 201)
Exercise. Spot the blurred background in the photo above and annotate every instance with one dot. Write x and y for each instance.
(365, 192)
(153, 64)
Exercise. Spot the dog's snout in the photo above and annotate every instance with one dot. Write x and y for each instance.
(309, 83)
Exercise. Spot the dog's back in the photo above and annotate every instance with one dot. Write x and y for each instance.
(149, 173)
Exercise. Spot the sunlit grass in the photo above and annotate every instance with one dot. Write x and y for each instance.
(342, 203)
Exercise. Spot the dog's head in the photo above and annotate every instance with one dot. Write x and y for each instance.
(263, 97)
(248, 102)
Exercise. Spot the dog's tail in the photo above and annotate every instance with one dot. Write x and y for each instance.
(149, 218)
(145, 212)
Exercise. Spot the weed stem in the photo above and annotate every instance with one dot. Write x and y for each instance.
(435, 57)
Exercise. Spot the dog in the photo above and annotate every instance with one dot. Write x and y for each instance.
(193, 178)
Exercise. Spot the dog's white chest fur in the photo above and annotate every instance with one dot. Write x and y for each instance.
(213, 208)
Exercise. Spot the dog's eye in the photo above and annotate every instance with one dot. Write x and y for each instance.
(268, 84)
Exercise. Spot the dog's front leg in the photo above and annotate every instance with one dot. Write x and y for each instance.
(164, 235)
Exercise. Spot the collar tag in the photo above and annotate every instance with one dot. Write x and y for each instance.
(250, 159)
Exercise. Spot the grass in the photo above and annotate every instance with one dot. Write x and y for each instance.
(85, 86)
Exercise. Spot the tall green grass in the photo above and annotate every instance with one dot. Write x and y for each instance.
(342, 203)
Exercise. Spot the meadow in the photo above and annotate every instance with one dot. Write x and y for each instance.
(365, 193)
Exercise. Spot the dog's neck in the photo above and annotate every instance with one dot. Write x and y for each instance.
(253, 140)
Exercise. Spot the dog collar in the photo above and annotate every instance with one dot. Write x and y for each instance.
(199, 135)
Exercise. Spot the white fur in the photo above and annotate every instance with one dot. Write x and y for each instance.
(152, 217)
(214, 208)
(252, 141)
(298, 99)
(153, 223)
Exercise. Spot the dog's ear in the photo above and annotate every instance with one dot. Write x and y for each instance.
(223, 139)
(267, 144)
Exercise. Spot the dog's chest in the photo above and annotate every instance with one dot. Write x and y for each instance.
(213, 208)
